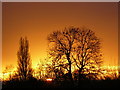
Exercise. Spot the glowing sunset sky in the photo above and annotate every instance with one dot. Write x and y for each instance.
(37, 20)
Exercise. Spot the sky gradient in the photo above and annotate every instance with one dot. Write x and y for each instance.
(37, 20)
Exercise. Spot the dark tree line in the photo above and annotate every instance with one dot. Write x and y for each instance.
(73, 51)
(70, 49)
(75, 59)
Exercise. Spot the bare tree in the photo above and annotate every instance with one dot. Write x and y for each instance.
(24, 61)
(57, 69)
(80, 47)
(87, 53)
(61, 44)
(41, 70)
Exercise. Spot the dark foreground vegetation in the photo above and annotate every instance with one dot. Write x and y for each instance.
(37, 84)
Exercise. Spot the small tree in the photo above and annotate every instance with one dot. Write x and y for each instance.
(24, 61)
(8, 69)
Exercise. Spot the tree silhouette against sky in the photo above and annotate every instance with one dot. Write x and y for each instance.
(72, 49)
(61, 46)
(24, 61)
(87, 53)
(80, 47)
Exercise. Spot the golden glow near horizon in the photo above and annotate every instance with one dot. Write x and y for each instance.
(37, 20)
(107, 71)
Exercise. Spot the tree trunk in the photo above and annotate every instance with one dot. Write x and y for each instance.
(69, 63)
(79, 75)
(70, 73)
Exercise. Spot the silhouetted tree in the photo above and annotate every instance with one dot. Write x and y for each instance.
(61, 44)
(56, 70)
(24, 61)
(80, 47)
(87, 53)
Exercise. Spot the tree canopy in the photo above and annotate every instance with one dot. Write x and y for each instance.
(24, 61)
(75, 46)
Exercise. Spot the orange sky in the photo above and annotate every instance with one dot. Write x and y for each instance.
(37, 20)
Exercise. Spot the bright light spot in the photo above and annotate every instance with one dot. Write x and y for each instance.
(49, 79)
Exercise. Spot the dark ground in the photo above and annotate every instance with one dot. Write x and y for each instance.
(37, 84)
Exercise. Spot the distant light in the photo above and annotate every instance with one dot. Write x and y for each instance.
(49, 79)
